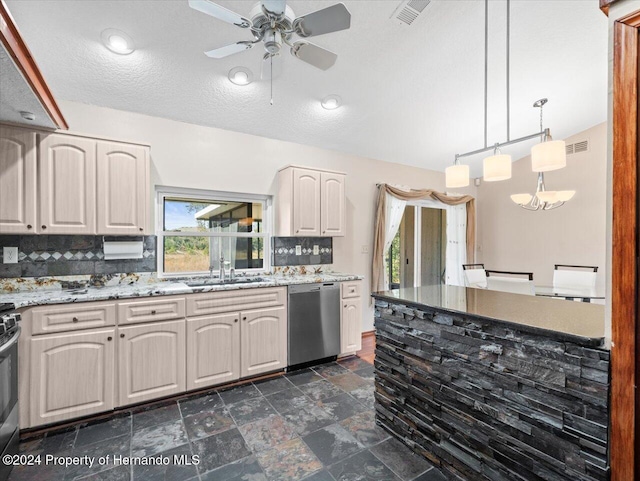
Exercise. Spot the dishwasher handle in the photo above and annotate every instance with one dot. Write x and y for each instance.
(315, 287)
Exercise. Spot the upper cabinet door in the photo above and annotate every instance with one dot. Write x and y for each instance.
(306, 202)
(67, 185)
(332, 198)
(17, 181)
(123, 178)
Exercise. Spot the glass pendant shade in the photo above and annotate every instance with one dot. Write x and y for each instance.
(521, 199)
(548, 196)
(565, 195)
(457, 176)
(550, 155)
(496, 167)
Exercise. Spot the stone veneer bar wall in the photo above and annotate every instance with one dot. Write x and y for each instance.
(484, 401)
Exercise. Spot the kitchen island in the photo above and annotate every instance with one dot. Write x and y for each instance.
(491, 385)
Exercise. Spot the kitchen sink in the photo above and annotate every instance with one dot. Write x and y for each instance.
(218, 282)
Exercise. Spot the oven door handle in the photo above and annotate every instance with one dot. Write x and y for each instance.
(11, 342)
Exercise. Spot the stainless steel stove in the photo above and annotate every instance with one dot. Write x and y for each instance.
(9, 334)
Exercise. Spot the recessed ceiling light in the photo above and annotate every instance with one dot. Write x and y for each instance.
(240, 76)
(117, 41)
(331, 102)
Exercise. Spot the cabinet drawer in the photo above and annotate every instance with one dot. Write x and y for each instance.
(151, 310)
(70, 317)
(351, 289)
(236, 300)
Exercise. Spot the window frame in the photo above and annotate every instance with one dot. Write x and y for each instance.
(164, 192)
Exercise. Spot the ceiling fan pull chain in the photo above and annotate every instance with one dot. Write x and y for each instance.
(271, 61)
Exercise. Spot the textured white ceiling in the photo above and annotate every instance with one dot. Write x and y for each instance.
(412, 94)
(16, 96)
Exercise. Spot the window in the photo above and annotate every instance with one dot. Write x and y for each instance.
(196, 229)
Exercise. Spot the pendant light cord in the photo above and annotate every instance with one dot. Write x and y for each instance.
(508, 69)
(486, 66)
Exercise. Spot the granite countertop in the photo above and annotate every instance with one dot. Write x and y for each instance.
(578, 322)
(157, 288)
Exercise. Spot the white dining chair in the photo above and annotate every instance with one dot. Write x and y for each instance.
(510, 281)
(574, 276)
(474, 275)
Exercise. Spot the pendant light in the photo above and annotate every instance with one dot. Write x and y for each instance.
(549, 154)
(497, 167)
(456, 175)
(543, 199)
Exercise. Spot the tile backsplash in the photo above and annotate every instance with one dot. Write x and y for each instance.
(284, 251)
(66, 255)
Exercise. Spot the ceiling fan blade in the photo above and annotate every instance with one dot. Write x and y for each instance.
(229, 50)
(267, 61)
(314, 55)
(221, 13)
(330, 19)
(274, 6)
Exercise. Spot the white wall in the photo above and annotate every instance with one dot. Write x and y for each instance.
(187, 155)
(510, 238)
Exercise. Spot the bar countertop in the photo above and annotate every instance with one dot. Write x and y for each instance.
(578, 322)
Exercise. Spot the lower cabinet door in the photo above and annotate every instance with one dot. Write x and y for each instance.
(213, 350)
(72, 375)
(351, 326)
(263, 341)
(151, 361)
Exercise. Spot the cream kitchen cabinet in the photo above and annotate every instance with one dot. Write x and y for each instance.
(60, 183)
(72, 375)
(263, 341)
(213, 350)
(123, 188)
(351, 317)
(310, 203)
(67, 172)
(18, 181)
(151, 361)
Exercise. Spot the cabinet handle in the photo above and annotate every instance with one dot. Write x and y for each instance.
(75, 319)
(43, 226)
(235, 320)
(345, 305)
(109, 338)
(297, 231)
(244, 318)
(121, 335)
(153, 312)
(141, 229)
(29, 226)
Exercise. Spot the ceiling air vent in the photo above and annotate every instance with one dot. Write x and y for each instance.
(578, 147)
(408, 10)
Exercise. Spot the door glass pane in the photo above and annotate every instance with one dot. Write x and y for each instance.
(407, 247)
(432, 246)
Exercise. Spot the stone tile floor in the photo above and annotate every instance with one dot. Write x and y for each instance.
(314, 425)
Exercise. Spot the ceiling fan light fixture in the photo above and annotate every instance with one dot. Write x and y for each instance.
(240, 76)
(117, 41)
(496, 168)
(331, 102)
(548, 196)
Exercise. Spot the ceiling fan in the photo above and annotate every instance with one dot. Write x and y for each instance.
(273, 23)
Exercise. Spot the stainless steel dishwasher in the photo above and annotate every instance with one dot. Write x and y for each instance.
(314, 322)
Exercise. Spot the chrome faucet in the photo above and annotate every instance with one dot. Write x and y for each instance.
(223, 275)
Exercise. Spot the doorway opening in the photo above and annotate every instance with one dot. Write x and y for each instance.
(417, 256)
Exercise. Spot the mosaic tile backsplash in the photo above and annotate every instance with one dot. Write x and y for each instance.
(68, 255)
(284, 251)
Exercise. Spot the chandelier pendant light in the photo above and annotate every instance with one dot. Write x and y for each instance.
(543, 199)
(546, 156)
